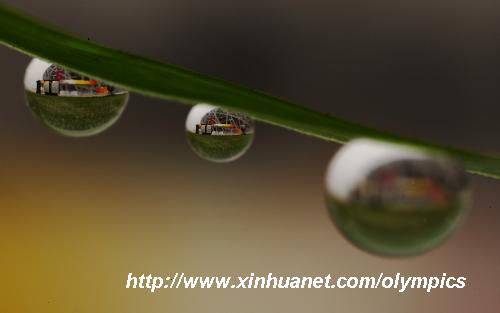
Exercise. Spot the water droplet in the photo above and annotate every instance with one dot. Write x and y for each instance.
(395, 200)
(69, 103)
(218, 135)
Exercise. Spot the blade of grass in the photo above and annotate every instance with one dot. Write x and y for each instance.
(162, 80)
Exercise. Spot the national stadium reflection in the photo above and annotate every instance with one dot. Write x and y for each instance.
(71, 104)
(395, 200)
(218, 135)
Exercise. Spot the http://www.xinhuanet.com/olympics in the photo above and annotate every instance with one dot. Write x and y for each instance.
(397, 282)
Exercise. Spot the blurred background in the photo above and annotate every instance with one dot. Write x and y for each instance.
(77, 215)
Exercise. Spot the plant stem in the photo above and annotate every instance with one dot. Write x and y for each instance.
(166, 81)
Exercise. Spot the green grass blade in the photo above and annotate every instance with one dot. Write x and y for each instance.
(162, 80)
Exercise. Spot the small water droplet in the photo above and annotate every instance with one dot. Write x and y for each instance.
(218, 135)
(395, 200)
(69, 103)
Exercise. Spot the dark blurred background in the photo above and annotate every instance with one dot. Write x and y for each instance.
(79, 214)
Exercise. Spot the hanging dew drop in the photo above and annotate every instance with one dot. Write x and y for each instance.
(218, 135)
(395, 200)
(69, 103)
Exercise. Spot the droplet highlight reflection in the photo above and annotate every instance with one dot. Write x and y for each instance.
(218, 135)
(69, 103)
(395, 200)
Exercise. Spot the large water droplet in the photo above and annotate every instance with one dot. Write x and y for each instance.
(395, 200)
(218, 135)
(69, 103)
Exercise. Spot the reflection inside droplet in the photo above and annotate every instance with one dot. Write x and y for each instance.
(69, 103)
(218, 135)
(395, 200)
